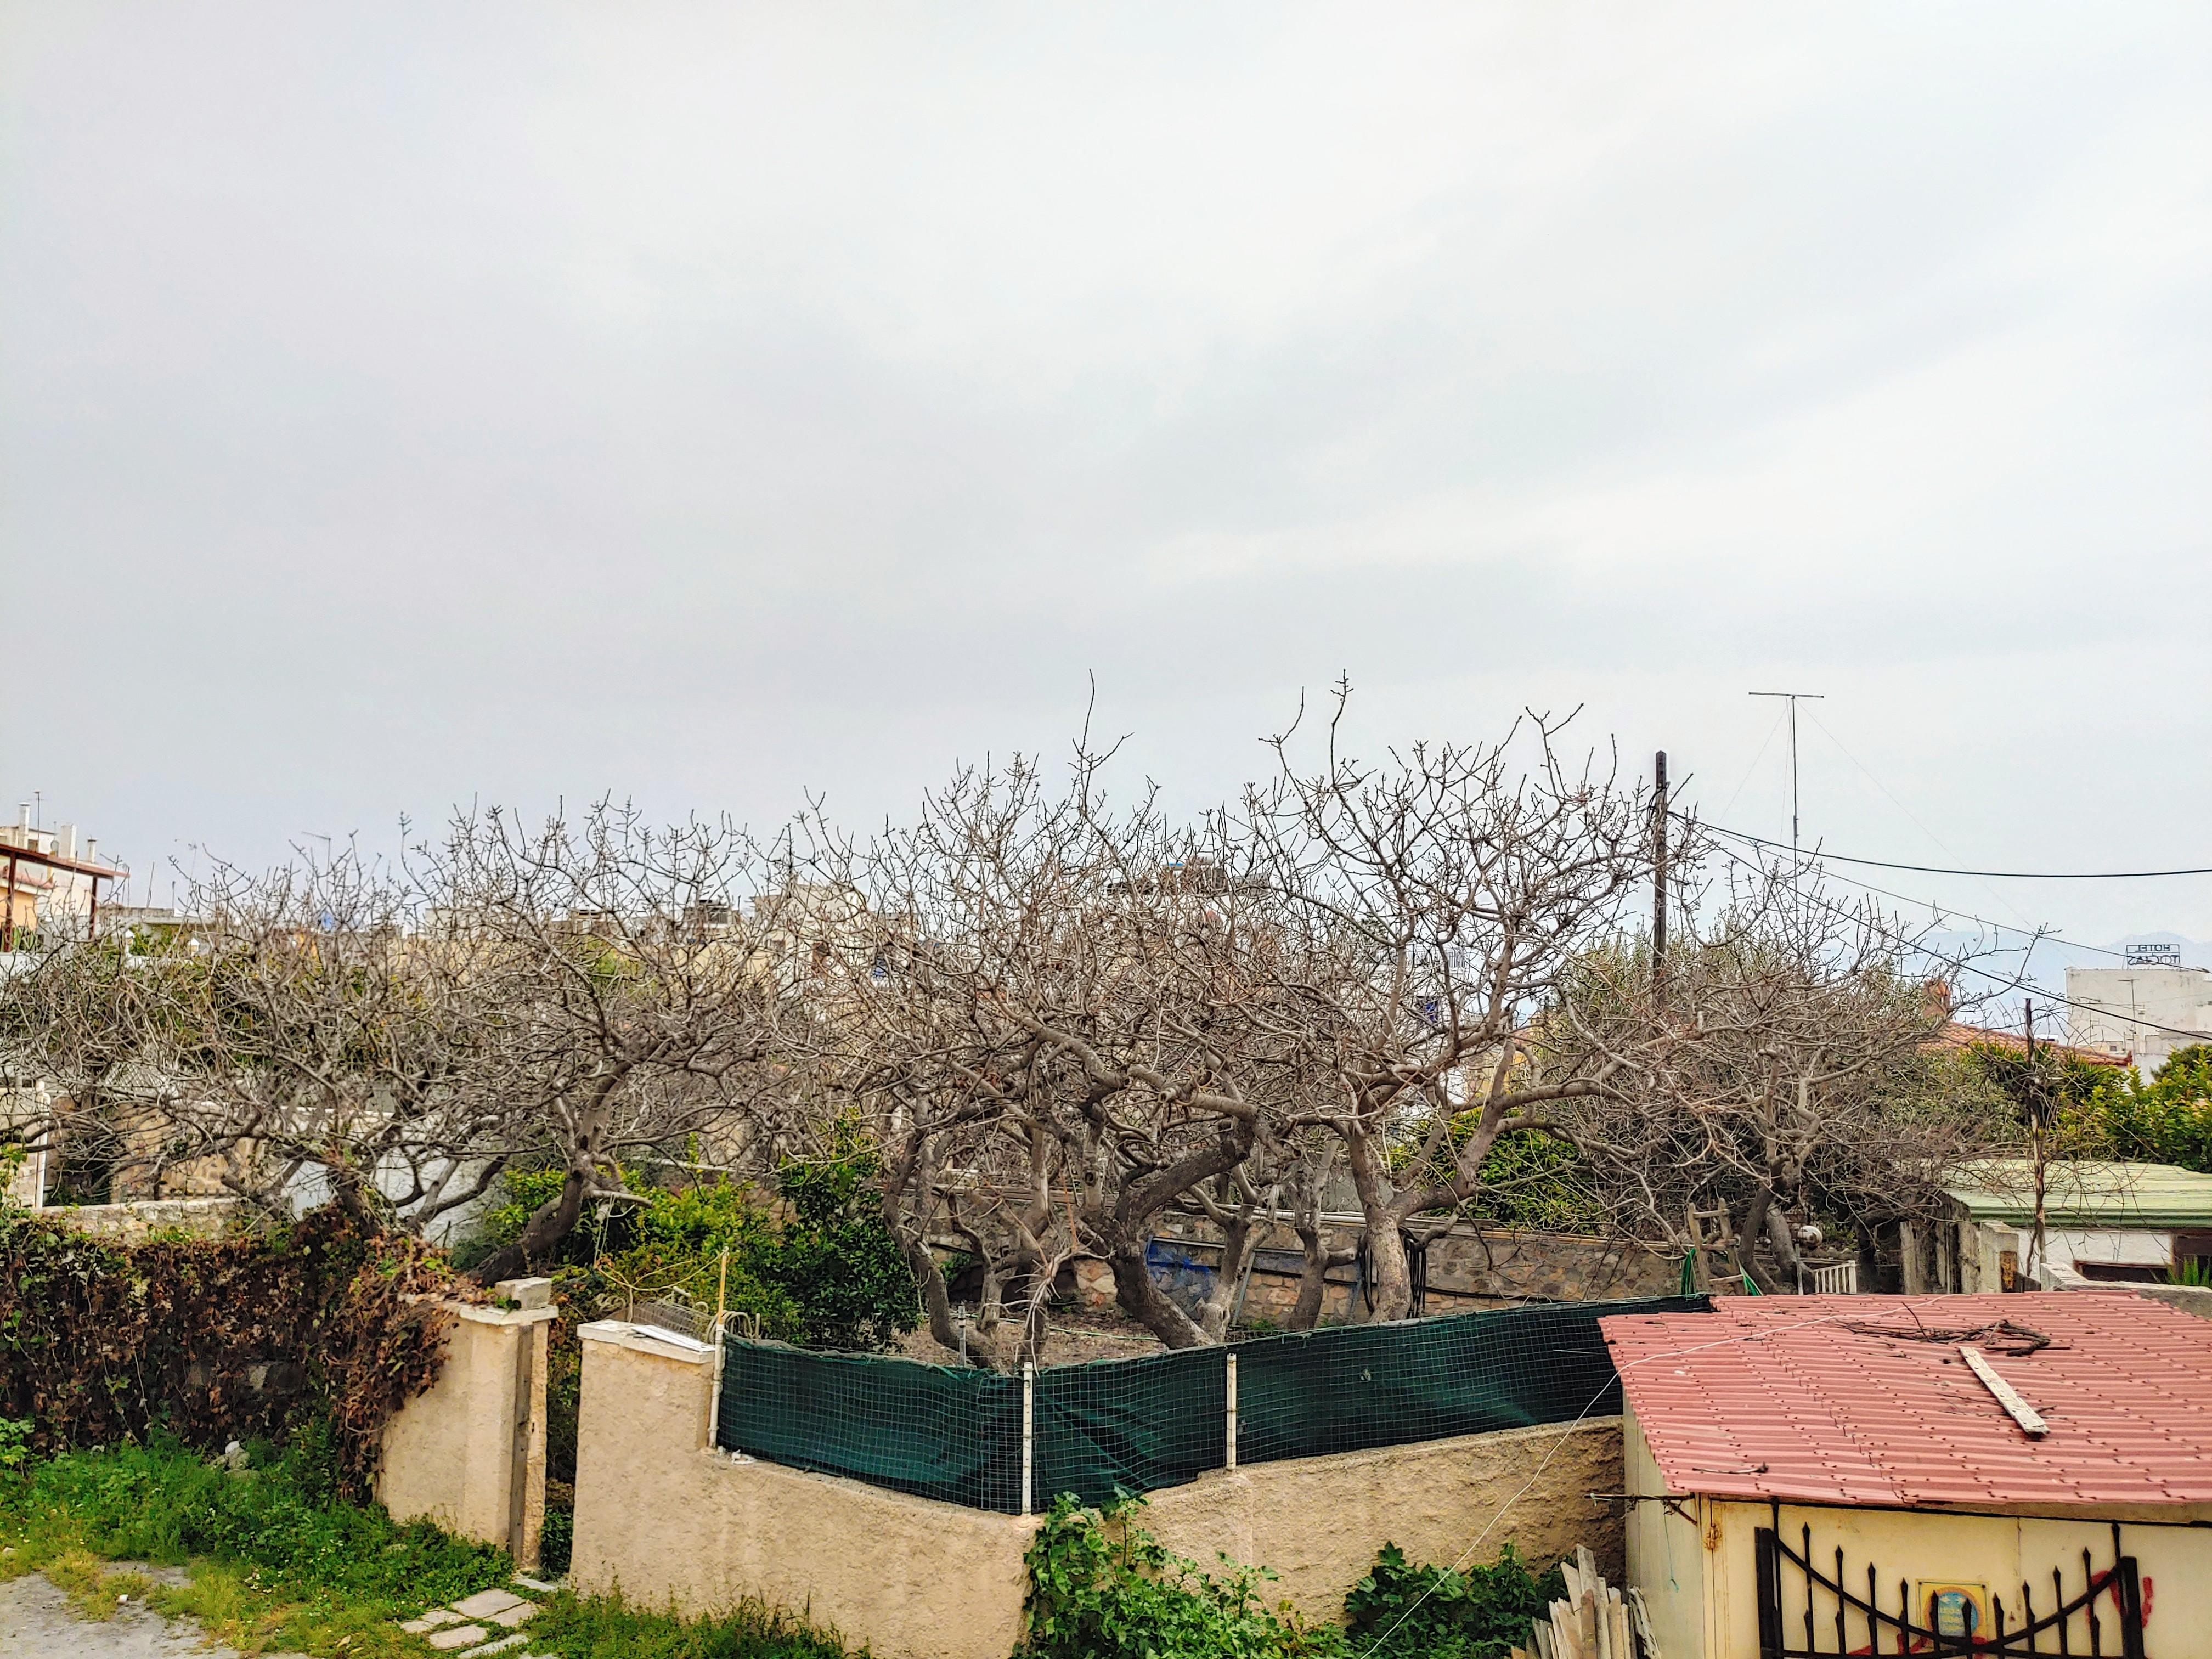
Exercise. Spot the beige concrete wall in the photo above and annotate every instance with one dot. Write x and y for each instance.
(1317, 1521)
(664, 1518)
(2189, 1298)
(451, 1454)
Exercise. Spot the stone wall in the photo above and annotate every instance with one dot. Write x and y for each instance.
(668, 1519)
(1468, 1267)
(133, 1223)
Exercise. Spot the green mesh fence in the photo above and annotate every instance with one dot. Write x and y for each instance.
(929, 1430)
(1139, 1425)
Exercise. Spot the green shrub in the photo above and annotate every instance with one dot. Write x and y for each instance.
(1436, 1612)
(2165, 1120)
(557, 1542)
(1100, 1584)
(821, 1270)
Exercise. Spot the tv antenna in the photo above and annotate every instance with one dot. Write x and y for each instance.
(1796, 697)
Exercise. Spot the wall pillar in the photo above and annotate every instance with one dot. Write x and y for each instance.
(470, 1452)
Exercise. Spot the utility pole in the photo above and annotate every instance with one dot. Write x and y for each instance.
(1794, 698)
(1659, 871)
(2038, 1117)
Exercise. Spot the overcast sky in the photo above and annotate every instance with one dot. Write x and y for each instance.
(404, 404)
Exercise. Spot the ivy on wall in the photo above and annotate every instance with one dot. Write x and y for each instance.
(217, 1340)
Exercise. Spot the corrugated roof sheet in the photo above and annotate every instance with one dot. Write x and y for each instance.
(1833, 1399)
(2088, 1194)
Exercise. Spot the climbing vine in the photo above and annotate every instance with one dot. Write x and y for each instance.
(242, 1338)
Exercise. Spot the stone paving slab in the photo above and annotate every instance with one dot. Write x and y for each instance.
(484, 1603)
(457, 1635)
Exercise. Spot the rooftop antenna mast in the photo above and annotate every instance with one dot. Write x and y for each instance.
(1794, 698)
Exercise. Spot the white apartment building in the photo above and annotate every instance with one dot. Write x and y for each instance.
(2125, 1007)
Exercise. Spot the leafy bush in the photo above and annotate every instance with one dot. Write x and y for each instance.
(837, 1260)
(1100, 1584)
(2165, 1120)
(1530, 1179)
(1436, 1612)
(821, 1269)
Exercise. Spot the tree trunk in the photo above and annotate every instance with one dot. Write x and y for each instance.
(1313, 1283)
(1747, 1243)
(1146, 1302)
(1390, 1273)
(1390, 1276)
(1784, 1242)
(549, 1223)
(1240, 1242)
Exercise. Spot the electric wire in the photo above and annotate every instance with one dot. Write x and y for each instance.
(1867, 772)
(1938, 870)
(1959, 963)
(1953, 913)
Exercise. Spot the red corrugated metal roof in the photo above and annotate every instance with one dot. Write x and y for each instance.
(1781, 1397)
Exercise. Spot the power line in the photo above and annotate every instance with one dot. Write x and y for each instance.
(1940, 844)
(2002, 875)
(1953, 913)
(2016, 982)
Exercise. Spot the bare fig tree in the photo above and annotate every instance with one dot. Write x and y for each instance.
(1778, 1071)
(288, 1045)
(633, 992)
(1436, 898)
(1055, 1037)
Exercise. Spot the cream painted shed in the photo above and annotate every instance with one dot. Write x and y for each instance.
(1826, 1475)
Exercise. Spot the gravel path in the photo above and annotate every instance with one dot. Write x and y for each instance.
(35, 1620)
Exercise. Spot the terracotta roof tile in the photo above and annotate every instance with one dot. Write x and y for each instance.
(1810, 1397)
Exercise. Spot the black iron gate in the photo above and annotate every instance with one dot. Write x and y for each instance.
(1831, 1619)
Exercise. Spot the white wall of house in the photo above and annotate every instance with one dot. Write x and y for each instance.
(1983, 1245)
(2126, 1005)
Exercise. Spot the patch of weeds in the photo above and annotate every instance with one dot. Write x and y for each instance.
(238, 1607)
(557, 1542)
(606, 1627)
(276, 1561)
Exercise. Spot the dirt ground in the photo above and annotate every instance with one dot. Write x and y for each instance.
(35, 1620)
(1077, 1335)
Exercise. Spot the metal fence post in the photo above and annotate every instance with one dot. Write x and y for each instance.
(1029, 1432)
(715, 1385)
(1229, 1449)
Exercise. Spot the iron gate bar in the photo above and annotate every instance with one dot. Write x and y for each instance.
(2121, 1580)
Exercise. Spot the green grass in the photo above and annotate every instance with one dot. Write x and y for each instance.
(605, 1627)
(275, 1560)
